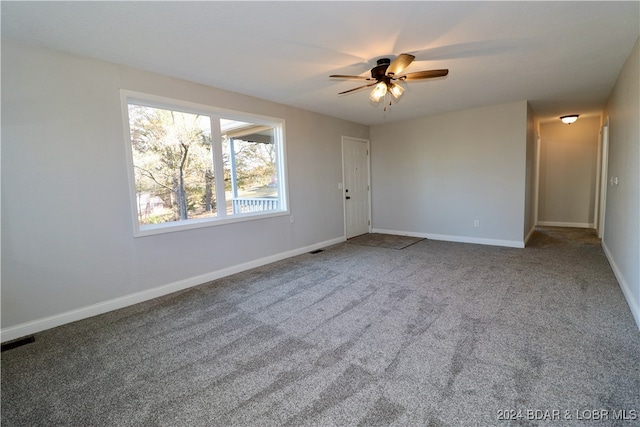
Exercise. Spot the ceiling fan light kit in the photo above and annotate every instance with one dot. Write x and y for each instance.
(396, 90)
(386, 77)
(378, 92)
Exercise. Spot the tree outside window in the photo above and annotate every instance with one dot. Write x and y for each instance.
(173, 164)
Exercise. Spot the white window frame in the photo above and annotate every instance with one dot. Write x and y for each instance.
(216, 113)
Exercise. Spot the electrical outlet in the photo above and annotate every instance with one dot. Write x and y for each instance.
(476, 223)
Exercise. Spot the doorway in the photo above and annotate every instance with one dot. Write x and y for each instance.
(568, 176)
(356, 188)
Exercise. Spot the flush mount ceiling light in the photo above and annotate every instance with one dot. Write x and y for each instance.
(386, 77)
(569, 119)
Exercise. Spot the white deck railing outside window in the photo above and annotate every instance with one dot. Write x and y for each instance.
(246, 205)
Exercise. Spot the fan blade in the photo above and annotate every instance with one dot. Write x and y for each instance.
(430, 74)
(341, 76)
(400, 63)
(357, 88)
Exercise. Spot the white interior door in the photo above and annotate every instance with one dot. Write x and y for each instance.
(355, 172)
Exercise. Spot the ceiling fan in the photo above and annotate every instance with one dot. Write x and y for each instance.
(387, 75)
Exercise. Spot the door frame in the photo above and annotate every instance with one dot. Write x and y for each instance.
(342, 184)
(536, 189)
(603, 172)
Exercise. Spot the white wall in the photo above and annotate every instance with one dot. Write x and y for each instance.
(67, 235)
(434, 176)
(621, 240)
(568, 172)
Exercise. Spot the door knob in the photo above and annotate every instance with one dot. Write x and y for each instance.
(348, 197)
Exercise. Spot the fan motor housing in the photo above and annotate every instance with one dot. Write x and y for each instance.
(378, 72)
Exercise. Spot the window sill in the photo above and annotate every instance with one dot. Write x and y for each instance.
(171, 227)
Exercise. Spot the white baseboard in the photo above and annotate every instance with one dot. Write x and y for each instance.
(459, 239)
(634, 305)
(34, 326)
(529, 234)
(567, 224)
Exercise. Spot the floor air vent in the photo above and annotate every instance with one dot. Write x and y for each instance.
(317, 251)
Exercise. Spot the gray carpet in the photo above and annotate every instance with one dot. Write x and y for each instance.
(389, 241)
(436, 334)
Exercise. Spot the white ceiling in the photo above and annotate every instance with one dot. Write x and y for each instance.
(564, 57)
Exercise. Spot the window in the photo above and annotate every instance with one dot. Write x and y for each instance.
(193, 165)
